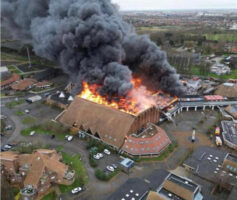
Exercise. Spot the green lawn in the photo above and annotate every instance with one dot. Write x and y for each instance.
(18, 113)
(196, 71)
(50, 196)
(222, 37)
(8, 56)
(80, 173)
(29, 120)
(39, 130)
(12, 104)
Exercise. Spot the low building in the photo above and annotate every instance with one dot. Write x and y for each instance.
(177, 187)
(4, 73)
(43, 84)
(7, 83)
(207, 163)
(23, 85)
(230, 163)
(227, 90)
(232, 110)
(159, 185)
(229, 133)
(34, 99)
(36, 172)
(150, 140)
(60, 99)
(126, 164)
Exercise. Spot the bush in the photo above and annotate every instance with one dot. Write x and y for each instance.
(92, 162)
(18, 113)
(101, 175)
(105, 177)
(29, 120)
(3, 125)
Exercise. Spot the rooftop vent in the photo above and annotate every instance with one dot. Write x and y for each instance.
(61, 95)
(70, 98)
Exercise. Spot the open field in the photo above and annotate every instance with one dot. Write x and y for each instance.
(232, 37)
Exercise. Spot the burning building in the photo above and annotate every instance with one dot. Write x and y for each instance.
(118, 123)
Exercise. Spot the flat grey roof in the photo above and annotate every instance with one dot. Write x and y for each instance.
(187, 184)
(207, 163)
(229, 131)
(232, 157)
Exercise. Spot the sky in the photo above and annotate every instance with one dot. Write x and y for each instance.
(175, 4)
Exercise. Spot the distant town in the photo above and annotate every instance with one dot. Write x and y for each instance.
(149, 145)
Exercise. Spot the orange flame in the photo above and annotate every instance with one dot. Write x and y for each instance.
(137, 100)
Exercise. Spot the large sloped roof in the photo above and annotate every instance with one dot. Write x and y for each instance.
(226, 90)
(110, 124)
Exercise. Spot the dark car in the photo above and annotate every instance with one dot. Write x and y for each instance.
(114, 166)
(52, 136)
(3, 149)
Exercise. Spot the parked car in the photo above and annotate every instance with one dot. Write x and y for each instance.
(3, 149)
(32, 133)
(8, 127)
(3, 117)
(106, 151)
(76, 190)
(110, 168)
(52, 136)
(46, 94)
(69, 137)
(114, 166)
(7, 147)
(27, 111)
(100, 155)
(96, 156)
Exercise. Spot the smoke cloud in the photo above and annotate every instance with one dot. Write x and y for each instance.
(91, 43)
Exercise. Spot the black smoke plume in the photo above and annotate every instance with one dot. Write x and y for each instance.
(90, 41)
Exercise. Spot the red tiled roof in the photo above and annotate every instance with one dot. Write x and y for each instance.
(213, 97)
(24, 84)
(147, 145)
(12, 79)
(43, 84)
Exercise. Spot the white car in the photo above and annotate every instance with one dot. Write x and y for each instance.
(7, 146)
(110, 168)
(69, 137)
(106, 151)
(96, 156)
(100, 155)
(27, 111)
(76, 190)
(32, 133)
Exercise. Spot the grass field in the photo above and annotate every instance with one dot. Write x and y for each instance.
(14, 57)
(18, 113)
(29, 120)
(12, 104)
(76, 164)
(50, 196)
(222, 37)
(233, 75)
(41, 130)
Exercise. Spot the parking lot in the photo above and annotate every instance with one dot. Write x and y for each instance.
(38, 110)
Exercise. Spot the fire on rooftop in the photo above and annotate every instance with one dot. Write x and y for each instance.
(136, 101)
